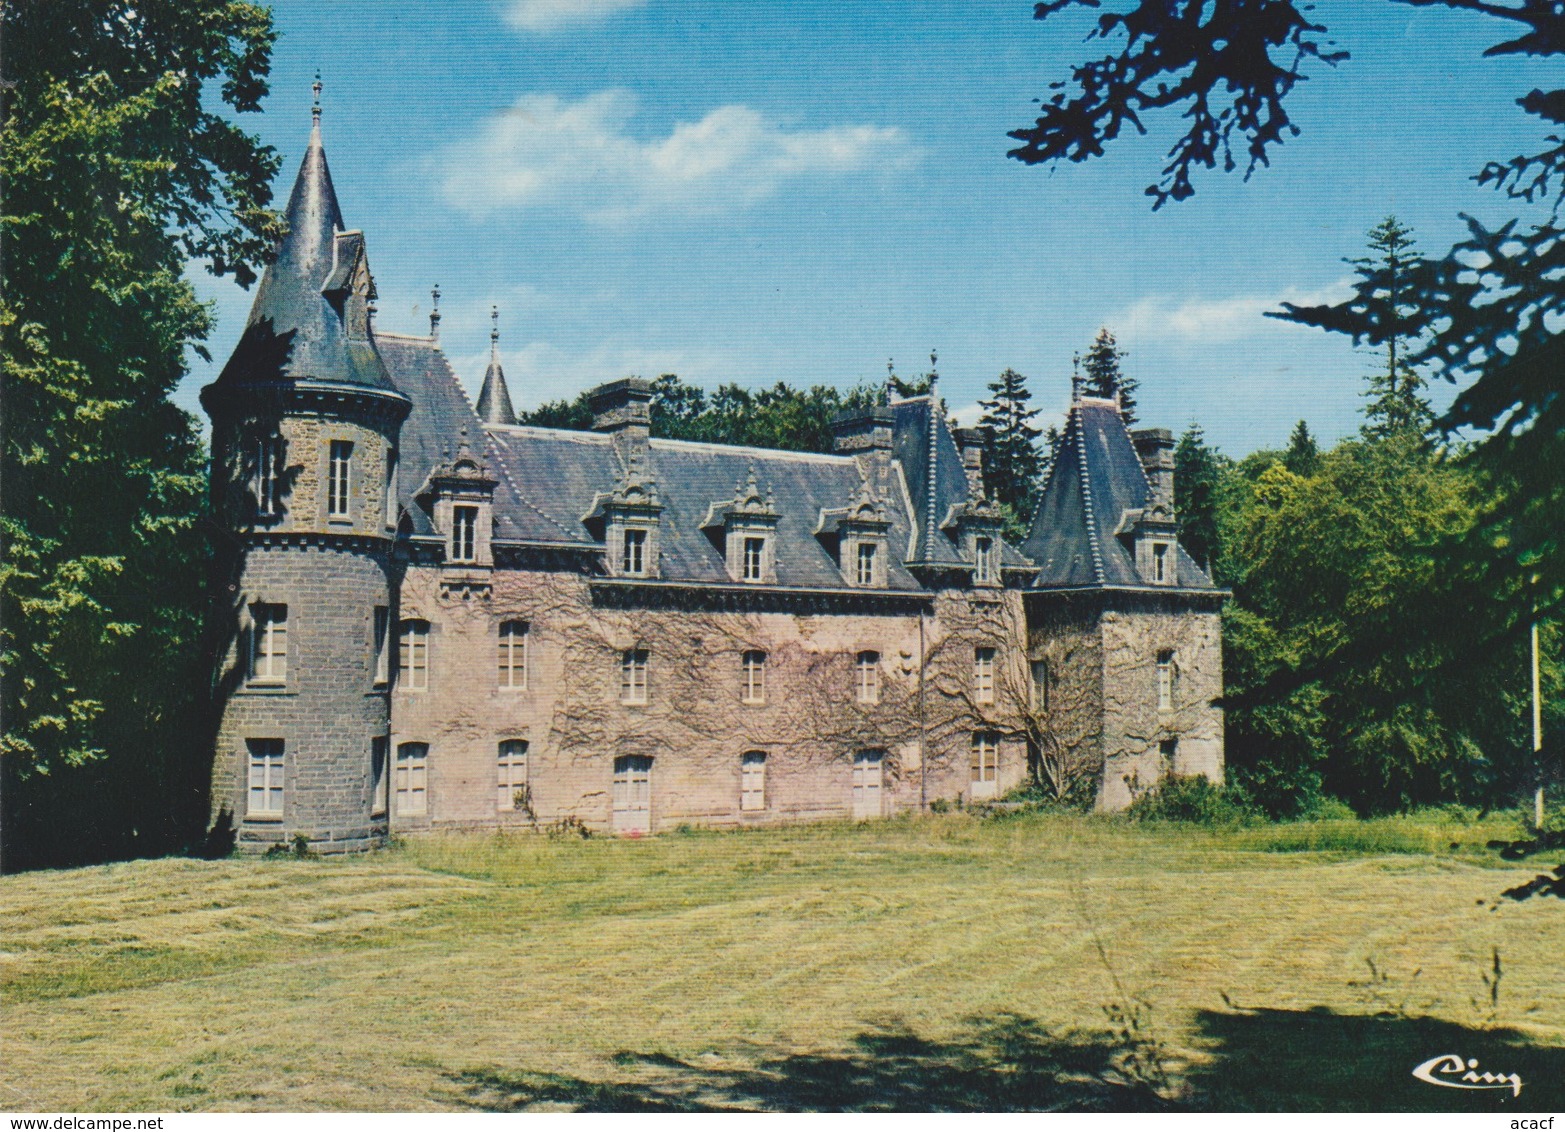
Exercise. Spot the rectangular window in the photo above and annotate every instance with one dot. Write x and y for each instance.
(866, 564)
(754, 557)
(633, 562)
(413, 655)
(378, 776)
(1168, 749)
(633, 676)
(412, 778)
(867, 780)
(983, 553)
(983, 675)
(266, 776)
(382, 644)
(391, 487)
(1160, 562)
(268, 466)
(632, 794)
(269, 655)
(464, 534)
(512, 775)
(867, 670)
(1040, 685)
(1165, 680)
(337, 479)
(752, 780)
(753, 672)
(513, 654)
(986, 757)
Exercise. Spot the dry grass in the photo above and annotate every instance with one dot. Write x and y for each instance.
(784, 967)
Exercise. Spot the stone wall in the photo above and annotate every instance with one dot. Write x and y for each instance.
(695, 726)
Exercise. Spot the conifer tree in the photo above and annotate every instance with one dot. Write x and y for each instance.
(1197, 475)
(1105, 377)
(1011, 476)
(1303, 455)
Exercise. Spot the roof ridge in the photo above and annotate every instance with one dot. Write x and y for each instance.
(693, 445)
(379, 333)
(1086, 499)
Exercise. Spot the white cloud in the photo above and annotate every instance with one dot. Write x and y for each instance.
(1161, 318)
(546, 151)
(543, 16)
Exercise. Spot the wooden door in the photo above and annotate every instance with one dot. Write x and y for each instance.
(867, 784)
(632, 794)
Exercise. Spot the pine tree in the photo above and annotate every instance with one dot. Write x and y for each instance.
(1105, 377)
(1197, 472)
(1303, 456)
(1012, 473)
(1396, 391)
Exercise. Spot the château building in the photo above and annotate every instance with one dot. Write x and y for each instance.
(436, 617)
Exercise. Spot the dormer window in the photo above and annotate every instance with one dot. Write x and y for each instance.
(865, 575)
(464, 533)
(337, 479)
(1160, 562)
(754, 559)
(984, 573)
(633, 561)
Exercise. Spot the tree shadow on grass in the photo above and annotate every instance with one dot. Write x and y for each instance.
(1269, 1060)
(1007, 1063)
(1264, 1060)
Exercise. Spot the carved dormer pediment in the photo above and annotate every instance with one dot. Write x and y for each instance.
(745, 528)
(1151, 534)
(350, 287)
(628, 519)
(857, 535)
(459, 496)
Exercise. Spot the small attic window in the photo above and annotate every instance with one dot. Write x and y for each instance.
(983, 567)
(754, 562)
(1160, 562)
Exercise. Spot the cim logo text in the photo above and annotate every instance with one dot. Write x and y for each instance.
(1452, 1071)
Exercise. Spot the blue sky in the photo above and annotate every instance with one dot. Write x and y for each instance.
(755, 192)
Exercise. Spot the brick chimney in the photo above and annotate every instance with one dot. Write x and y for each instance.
(973, 442)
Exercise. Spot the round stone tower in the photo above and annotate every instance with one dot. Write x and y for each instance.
(304, 438)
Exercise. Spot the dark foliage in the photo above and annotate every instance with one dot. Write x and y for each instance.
(1105, 377)
(1302, 456)
(1013, 465)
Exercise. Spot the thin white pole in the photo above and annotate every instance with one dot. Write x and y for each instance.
(1537, 728)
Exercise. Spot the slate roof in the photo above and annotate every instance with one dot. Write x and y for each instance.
(1096, 477)
(294, 332)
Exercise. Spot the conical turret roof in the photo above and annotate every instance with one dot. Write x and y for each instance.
(296, 331)
(494, 399)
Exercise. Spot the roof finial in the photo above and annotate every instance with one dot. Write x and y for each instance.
(494, 331)
(315, 110)
(934, 377)
(434, 315)
(1075, 378)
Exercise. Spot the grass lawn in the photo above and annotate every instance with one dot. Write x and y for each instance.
(1032, 961)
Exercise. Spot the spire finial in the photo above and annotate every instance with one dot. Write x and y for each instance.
(934, 375)
(1075, 378)
(434, 314)
(315, 109)
(494, 331)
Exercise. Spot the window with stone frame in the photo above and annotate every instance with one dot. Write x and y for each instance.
(464, 533)
(1167, 680)
(268, 475)
(338, 480)
(866, 671)
(984, 572)
(983, 674)
(1168, 751)
(633, 559)
(752, 781)
(634, 665)
(753, 563)
(1040, 685)
(266, 777)
(391, 487)
(412, 778)
(413, 655)
(985, 762)
(269, 643)
(380, 644)
(753, 677)
(1160, 562)
(513, 654)
(865, 572)
(511, 774)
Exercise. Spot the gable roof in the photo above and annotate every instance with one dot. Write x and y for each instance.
(1095, 478)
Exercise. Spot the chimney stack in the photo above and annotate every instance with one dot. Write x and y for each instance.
(973, 442)
(1155, 446)
(623, 408)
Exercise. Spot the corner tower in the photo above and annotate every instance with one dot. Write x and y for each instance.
(305, 423)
